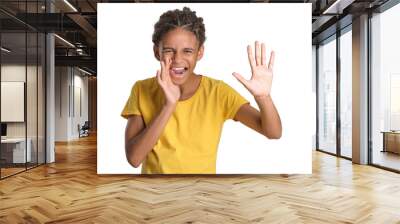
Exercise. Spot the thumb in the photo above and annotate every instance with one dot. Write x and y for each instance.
(240, 78)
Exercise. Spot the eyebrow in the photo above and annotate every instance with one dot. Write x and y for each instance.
(170, 48)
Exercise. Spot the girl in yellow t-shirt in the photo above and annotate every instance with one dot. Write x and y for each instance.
(175, 119)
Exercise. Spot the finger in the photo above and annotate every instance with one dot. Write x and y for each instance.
(271, 60)
(258, 53)
(162, 72)
(158, 77)
(250, 56)
(167, 68)
(263, 55)
(240, 78)
(168, 62)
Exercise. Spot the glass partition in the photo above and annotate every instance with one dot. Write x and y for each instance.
(22, 88)
(31, 100)
(346, 93)
(13, 109)
(385, 89)
(327, 96)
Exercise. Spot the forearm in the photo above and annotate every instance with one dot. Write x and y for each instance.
(139, 146)
(270, 120)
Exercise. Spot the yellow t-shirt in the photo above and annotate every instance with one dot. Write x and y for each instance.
(190, 138)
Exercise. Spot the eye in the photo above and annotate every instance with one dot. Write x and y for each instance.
(167, 51)
(188, 51)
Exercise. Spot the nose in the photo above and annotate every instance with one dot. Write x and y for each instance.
(177, 56)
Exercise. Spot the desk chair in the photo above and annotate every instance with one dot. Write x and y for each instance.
(84, 130)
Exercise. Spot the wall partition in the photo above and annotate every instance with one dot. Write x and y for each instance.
(22, 88)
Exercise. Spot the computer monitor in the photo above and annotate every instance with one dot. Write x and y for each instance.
(3, 129)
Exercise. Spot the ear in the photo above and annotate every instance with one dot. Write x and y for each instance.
(200, 53)
(156, 52)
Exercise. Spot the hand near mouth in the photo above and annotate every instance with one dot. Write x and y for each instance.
(171, 91)
(261, 79)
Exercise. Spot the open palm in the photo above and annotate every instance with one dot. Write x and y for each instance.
(171, 91)
(261, 79)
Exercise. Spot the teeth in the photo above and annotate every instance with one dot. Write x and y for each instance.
(178, 69)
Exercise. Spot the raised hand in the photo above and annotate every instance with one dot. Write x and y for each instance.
(261, 79)
(172, 92)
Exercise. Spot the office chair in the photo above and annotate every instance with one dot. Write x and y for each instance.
(84, 130)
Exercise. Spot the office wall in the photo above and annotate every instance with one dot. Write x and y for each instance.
(80, 104)
(62, 78)
(17, 73)
(71, 102)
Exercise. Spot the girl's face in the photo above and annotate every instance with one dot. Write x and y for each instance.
(183, 48)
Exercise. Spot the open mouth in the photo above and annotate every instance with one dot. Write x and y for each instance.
(178, 71)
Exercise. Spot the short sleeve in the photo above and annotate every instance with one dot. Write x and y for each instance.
(231, 100)
(132, 105)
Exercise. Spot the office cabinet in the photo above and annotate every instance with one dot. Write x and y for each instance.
(391, 141)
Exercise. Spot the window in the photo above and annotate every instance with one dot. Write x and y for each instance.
(327, 96)
(346, 93)
(385, 88)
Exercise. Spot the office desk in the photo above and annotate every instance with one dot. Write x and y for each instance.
(13, 150)
(391, 141)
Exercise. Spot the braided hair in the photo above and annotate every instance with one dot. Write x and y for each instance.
(185, 19)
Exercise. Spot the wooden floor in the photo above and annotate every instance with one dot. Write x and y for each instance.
(70, 191)
(387, 159)
(5, 172)
(8, 171)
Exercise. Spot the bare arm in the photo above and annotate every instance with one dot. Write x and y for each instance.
(139, 141)
(267, 120)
